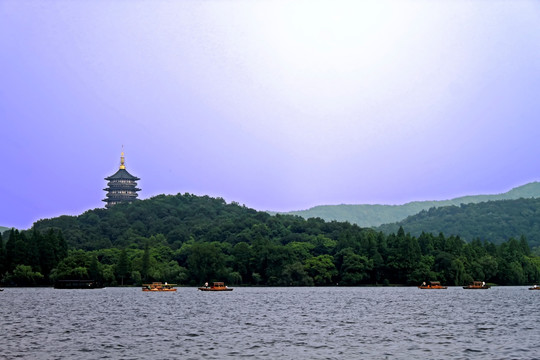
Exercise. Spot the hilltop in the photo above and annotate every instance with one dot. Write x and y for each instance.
(177, 217)
(375, 215)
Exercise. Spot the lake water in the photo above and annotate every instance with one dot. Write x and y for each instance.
(270, 323)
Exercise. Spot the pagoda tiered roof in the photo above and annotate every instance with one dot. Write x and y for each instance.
(122, 174)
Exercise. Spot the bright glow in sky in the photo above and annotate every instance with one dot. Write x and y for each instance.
(279, 105)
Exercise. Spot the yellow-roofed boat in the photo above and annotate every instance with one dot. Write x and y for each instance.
(432, 285)
(217, 286)
(477, 285)
(158, 286)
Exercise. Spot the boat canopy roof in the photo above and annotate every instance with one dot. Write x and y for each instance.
(158, 283)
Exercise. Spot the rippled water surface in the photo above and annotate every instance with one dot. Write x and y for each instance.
(270, 323)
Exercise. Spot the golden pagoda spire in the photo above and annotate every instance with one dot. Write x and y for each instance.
(122, 160)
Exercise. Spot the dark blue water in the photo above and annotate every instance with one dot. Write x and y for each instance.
(270, 323)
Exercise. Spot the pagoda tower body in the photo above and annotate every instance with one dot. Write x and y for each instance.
(121, 187)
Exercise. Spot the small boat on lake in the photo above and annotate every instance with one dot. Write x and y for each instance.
(534, 287)
(477, 285)
(158, 286)
(432, 285)
(217, 286)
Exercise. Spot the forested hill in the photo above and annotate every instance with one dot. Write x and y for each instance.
(2, 229)
(175, 217)
(494, 221)
(375, 215)
(188, 239)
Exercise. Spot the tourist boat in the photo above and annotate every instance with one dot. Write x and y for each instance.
(158, 286)
(432, 285)
(77, 284)
(217, 286)
(477, 285)
(534, 287)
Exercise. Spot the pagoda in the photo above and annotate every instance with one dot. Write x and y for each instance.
(122, 186)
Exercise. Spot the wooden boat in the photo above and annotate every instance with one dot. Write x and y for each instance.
(217, 286)
(77, 284)
(432, 285)
(534, 287)
(158, 286)
(477, 285)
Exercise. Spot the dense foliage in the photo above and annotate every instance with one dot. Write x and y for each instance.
(494, 221)
(376, 215)
(189, 240)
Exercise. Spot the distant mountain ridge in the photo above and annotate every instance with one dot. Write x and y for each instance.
(3, 228)
(495, 221)
(375, 215)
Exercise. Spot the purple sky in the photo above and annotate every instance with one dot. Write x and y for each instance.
(278, 105)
